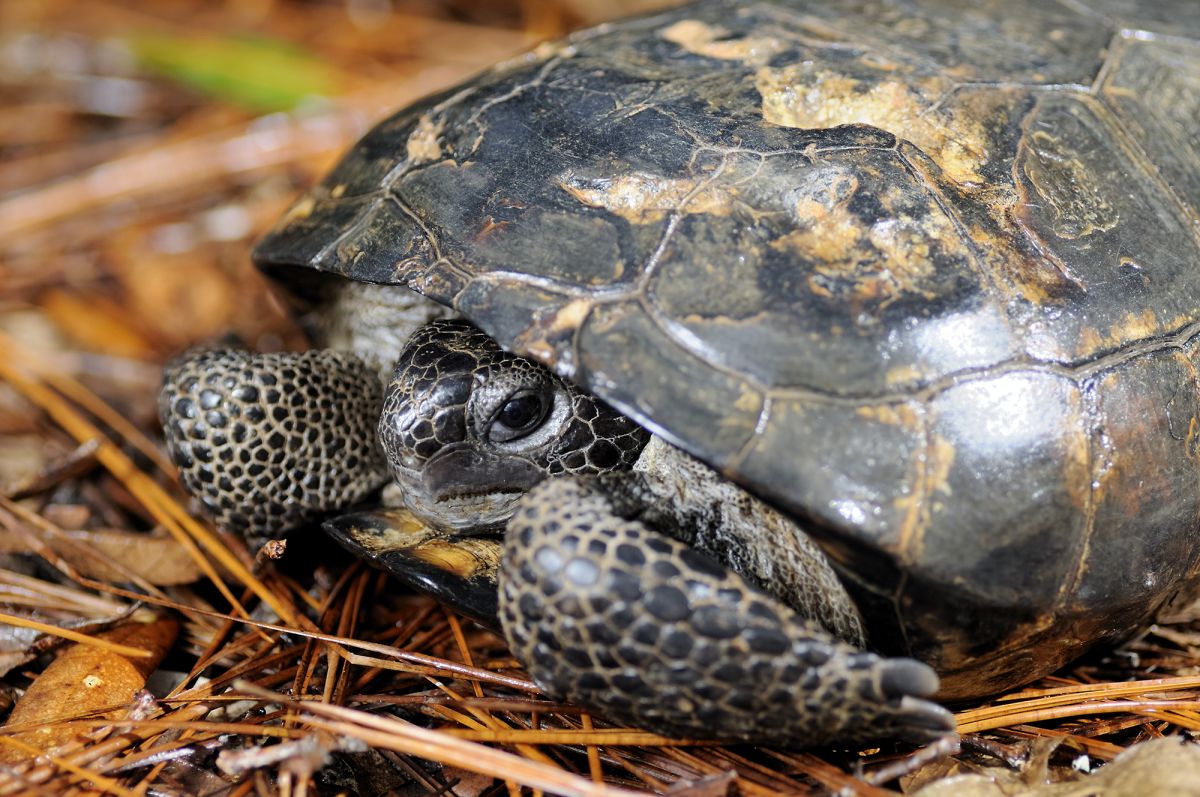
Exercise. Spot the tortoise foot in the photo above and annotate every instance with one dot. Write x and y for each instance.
(268, 442)
(647, 631)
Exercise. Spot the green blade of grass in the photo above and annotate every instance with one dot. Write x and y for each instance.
(257, 73)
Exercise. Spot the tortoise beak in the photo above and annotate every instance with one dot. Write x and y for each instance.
(462, 471)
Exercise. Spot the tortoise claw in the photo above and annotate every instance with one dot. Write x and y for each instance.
(900, 677)
(921, 721)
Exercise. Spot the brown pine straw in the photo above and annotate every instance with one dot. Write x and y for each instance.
(109, 785)
(596, 736)
(107, 415)
(1069, 701)
(74, 636)
(1105, 751)
(482, 718)
(164, 167)
(251, 729)
(46, 595)
(1175, 710)
(1107, 689)
(404, 737)
(133, 733)
(593, 752)
(401, 660)
(165, 509)
(22, 521)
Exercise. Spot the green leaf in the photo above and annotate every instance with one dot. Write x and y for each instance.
(258, 73)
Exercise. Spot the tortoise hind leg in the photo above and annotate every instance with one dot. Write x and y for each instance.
(645, 630)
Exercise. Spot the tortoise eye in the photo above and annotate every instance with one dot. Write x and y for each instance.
(519, 416)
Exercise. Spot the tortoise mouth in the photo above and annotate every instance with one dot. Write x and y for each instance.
(463, 495)
(464, 513)
(461, 488)
(465, 471)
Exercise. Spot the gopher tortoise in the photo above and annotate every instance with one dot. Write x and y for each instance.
(907, 293)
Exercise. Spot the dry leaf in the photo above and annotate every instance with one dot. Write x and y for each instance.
(158, 560)
(86, 679)
(1159, 766)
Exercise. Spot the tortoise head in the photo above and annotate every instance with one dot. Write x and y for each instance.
(468, 428)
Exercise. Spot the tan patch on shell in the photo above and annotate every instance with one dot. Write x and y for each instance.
(643, 198)
(423, 145)
(932, 475)
(1192, 442)
(929, 472)
(1105, 466)
(465, 557)
(1067, 187)
(903, 375)
(1078, 466)
(875, 264)
(1130, 327)
(543, 338)
(571, 316)
(703, 39)
(902, 415)
(404, 530)
(301, 210)
(540, 54)
(797, 96)
(1041, 280)
(552, 49)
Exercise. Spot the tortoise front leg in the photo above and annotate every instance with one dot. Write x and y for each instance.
(606, 613)
(268, 442)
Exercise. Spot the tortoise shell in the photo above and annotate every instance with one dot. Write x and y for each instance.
(925, 275)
